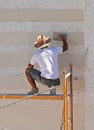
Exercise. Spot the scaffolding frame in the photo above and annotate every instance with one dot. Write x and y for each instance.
(66, 97)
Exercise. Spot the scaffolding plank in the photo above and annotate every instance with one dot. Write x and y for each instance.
(37, 97)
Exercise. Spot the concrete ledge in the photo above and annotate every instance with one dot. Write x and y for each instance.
(42, 15)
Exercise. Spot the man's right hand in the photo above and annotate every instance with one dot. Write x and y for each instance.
(61, 37)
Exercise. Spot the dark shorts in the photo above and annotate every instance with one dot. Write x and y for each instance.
(36, 75)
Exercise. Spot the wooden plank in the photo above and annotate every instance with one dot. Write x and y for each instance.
(65, 91)
(71, 98)
(37, 97)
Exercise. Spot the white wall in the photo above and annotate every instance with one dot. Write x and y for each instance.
(20, 22)
(89, 68)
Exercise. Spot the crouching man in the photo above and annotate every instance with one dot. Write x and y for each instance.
(47, 59)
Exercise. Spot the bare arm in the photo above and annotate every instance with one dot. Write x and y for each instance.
(65, 44)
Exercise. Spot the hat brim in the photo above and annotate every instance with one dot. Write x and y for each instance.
(46, 43)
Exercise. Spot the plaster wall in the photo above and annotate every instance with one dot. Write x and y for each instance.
(89, 69)
(20, 23)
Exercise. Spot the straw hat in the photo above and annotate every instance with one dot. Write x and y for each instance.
(42, 41)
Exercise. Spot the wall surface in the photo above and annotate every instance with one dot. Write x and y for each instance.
(89, 68)
(21, 21)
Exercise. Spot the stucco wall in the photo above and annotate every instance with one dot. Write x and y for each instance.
(20, 22)
(89, 68)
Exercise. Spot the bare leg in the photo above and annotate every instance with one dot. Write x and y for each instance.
(30, 80)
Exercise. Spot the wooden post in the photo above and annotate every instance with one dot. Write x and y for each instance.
(71, 98)
(65, 91)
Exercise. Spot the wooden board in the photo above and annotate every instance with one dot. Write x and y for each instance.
(38, 97)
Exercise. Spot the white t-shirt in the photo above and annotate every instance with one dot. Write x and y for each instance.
(47, 59)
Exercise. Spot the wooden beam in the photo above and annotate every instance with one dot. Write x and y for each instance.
(37, 97)
(71, 98)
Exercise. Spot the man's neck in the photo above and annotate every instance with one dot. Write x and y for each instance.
(44, 47)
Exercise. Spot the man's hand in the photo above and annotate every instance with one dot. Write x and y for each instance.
(62, 37)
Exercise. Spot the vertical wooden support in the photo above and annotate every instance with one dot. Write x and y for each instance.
(66, 98)
(71, 99)
(65, 91)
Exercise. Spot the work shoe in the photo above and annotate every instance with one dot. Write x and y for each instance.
(33, 91)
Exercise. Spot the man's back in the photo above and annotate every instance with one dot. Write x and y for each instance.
(47, 58)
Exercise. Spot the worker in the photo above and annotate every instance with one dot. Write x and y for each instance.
(47, 58)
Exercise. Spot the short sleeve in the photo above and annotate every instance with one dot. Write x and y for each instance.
(33, 60)
(59, 49)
